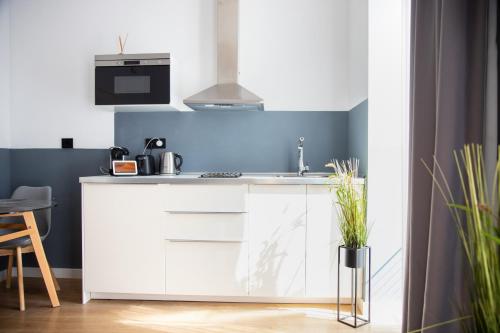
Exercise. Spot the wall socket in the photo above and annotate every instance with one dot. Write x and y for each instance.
(67, 143)
(160, 143)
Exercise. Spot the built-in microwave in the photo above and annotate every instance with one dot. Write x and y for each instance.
(132, 79)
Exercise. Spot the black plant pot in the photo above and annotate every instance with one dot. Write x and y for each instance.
(355, 257)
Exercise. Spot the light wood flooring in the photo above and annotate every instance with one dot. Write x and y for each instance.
(154, 316)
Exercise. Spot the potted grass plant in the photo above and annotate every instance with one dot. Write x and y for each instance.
(351, 209)
(477, 220)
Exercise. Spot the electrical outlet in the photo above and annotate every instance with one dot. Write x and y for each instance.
(67, 143)
(160, 143)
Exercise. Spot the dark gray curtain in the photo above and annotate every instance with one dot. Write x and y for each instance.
(449, 44)
(491, 137)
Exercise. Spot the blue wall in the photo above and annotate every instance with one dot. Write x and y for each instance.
(239, 141)
(59, 168)
(4, 173)
(4, 184)
(358, 135)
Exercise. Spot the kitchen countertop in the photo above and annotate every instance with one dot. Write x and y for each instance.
(274, 178)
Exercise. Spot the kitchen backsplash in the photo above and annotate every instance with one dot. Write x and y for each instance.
(358, 135)
(239, 141)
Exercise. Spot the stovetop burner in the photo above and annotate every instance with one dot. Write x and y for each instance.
(221, 175)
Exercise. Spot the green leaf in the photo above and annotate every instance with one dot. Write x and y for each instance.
(494, 238)
(461, 207)
(476, 220)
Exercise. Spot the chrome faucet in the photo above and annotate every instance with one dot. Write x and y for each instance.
(302, 168)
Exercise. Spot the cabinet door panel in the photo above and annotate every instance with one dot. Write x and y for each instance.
(206, 268)
(323, 239)
(124, 250)
(277, 240)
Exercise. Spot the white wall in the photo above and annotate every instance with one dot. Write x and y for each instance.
(358, 51)
(296, 54)
(53, 44)
(4, 75)
(388, 150)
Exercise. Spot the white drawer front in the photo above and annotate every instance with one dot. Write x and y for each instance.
(206, 226)
(206, 268)
(205, 198)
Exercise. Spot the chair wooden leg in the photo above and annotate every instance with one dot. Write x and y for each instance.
(20, 281)
(8, 282)
(36, 242)
(56, 284)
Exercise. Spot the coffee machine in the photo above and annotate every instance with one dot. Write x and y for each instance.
(116, 154)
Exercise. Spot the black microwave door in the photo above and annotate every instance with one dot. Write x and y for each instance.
(122, 85)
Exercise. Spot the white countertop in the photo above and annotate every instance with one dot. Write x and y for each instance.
(274, 178)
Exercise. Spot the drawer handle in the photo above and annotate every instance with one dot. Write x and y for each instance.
(204, 241)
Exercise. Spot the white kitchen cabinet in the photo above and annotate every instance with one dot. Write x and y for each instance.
(123, 248)
(235, 242)
(277, 226)
(323, 239)
(206, 268)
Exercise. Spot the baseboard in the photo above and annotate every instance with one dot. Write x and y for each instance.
(60, 273)
(226, 299)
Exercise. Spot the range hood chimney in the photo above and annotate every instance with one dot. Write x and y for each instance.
(227, 94)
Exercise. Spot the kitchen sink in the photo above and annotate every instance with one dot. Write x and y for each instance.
(306, 175)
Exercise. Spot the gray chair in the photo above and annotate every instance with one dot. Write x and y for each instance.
(22, 245)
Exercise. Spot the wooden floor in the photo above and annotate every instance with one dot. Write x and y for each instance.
(152, 316)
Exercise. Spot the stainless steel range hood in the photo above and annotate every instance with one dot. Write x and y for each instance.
(227, 94)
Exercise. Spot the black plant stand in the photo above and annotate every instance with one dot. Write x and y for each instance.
(356, 259)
